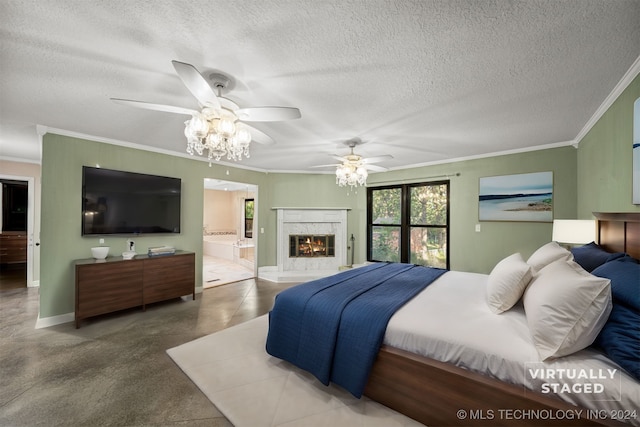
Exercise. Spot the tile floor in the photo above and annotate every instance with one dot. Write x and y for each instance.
(114, 370)
(218, 271)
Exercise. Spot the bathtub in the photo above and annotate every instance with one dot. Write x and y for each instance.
(219, 246)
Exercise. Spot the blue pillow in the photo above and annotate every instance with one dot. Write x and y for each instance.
(620, 336)
(592, 256)
(624, 274)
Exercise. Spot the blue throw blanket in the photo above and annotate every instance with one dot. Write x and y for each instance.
(333, 327)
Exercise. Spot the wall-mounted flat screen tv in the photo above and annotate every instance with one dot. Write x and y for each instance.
(117, 202)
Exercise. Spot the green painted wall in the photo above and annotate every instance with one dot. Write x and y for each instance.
(605, 159)
(60, 235)
(479, 252)
(284, 190)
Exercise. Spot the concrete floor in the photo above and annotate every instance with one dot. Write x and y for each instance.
(13, 276)
(114, 371)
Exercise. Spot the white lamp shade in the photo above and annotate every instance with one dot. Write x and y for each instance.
(574, 231)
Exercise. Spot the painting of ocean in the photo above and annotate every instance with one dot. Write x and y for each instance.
(522, 197)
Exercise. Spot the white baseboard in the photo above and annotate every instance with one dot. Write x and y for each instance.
(54, 320)
(71, 317)
(34, 284)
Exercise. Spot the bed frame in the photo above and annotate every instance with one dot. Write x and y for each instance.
(434, 392)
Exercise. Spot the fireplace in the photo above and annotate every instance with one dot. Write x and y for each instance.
(326, 231)
(308, 245)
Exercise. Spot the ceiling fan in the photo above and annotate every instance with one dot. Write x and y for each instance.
(353, 169)
(219, 125)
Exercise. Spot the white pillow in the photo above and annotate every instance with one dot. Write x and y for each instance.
(547, 254)
(507, 282)
(566, 307)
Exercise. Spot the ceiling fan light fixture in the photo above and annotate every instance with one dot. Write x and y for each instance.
(243, 136)
(194, 146)
(212, 141)
(198, 126)
(226, 127)
(216, 132)
(210, 113)
(341, 173)
(216, 127)
(352, 174)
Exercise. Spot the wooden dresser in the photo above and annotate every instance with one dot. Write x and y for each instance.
(105, 286)
(13, 247)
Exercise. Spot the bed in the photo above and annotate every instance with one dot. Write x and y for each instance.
(454, 391)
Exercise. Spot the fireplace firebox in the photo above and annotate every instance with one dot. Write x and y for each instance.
(307, 245)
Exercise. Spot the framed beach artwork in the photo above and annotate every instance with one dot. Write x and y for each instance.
(521, 197)
(636, 152)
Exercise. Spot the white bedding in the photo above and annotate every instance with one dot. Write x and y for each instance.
(450, 321)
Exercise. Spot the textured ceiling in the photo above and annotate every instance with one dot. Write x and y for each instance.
(425, 81)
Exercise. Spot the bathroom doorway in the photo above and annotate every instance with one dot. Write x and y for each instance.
(229, 241)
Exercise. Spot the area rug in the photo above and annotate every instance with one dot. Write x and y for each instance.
(253, 389)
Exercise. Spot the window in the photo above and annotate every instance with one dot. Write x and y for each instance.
(409, 223)
(248, 218)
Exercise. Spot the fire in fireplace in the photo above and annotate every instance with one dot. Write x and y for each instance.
(307, 245)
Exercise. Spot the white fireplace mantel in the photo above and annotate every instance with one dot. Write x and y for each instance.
(311, 221)
(307, 220)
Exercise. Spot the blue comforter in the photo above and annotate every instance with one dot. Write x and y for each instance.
(333, 327)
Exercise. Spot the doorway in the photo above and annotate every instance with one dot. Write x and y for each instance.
(16, 223)
(229, 239)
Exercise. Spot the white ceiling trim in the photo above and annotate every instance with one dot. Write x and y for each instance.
(494, 154)
(625, 81)
(19, 160)
(73, 134)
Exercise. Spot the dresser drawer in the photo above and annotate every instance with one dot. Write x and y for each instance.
(13, 248)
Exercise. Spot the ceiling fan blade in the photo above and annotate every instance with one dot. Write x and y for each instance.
(156, 107)
(326, 166)
(196, 84)
(342, 159)
(268, 114)
(257, 135)
(377, 159)
(228, 104)
(375, 168)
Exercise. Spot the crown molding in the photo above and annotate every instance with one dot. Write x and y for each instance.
(120, 143)
(19, 160)
(609, 100)
(494, 154)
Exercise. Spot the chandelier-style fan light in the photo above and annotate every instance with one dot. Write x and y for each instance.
(218, 128)
(353, 171)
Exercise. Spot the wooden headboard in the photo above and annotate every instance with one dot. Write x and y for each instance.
(619, 232)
